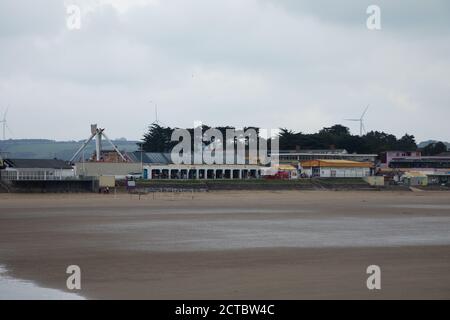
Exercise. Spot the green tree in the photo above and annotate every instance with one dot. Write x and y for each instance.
(434, 149)
(336, 130)
(158, 139)
(407, 143)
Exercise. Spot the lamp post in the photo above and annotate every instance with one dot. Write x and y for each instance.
(141, 147)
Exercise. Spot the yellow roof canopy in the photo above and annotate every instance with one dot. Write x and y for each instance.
(285, 167)
(336, 164)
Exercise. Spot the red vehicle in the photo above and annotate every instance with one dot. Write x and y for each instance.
(280, 175)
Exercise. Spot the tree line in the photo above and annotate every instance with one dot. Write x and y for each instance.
(158, 139)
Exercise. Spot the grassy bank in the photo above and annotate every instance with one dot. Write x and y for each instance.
(262, 184)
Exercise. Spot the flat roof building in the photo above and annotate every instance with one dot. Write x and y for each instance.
(325, 168)
(36, 169)
(388, 156)
(201, 171)
(293, 157)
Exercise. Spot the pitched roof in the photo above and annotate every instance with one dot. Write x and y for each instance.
(38, 163)
(150, 157)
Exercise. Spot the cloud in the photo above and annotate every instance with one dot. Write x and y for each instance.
(401, 16)
(27, 18)
(296, 64)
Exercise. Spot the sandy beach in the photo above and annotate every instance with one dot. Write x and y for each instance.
(231, 245)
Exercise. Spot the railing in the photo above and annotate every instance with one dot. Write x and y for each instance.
(38, 175)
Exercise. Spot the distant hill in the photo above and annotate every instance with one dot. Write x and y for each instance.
(423, 144)
(49, 149)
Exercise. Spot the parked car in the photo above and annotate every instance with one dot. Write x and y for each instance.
(134, 176)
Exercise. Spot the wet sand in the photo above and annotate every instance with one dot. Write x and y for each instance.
(231, 245)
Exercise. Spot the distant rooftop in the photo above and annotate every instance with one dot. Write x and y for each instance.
(150, 157)
(37, 163)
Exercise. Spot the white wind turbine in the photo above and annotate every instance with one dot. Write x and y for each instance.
(159, 123)
(4, 123)
(362, 128)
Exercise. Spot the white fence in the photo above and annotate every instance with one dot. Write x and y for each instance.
(37, 175)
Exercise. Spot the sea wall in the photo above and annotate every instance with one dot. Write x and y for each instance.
(53, 186)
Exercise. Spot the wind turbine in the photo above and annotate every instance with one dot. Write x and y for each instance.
(98, 134)
(159, 123)
(361, 121)
(5, 123)
(156, 112)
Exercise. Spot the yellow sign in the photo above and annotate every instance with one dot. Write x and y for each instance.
(107, 181)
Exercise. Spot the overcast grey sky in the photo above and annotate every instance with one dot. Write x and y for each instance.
(268, 63)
